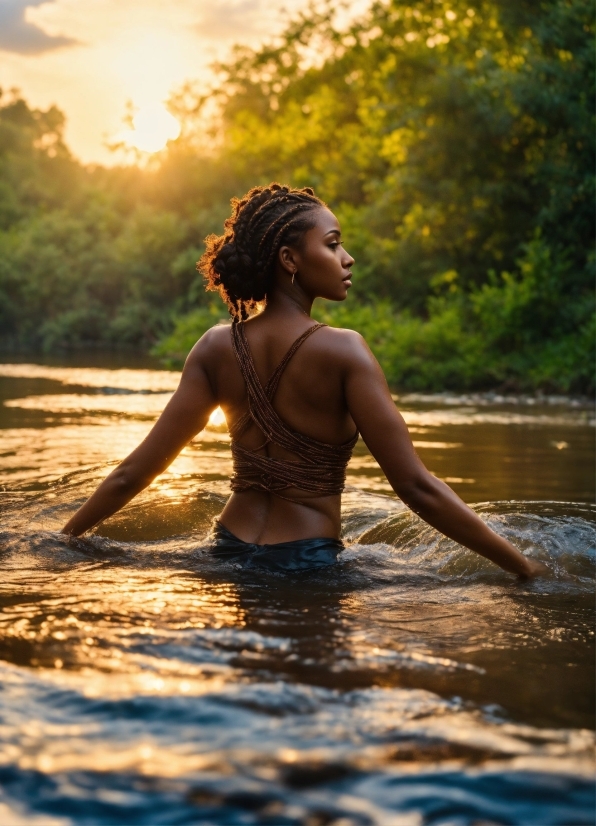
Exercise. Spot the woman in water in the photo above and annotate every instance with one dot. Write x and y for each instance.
(296, 395)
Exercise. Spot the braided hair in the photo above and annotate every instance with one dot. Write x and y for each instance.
(240, 264)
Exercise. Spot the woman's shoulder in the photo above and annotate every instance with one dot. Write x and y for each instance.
(333, 349)
(346, 344)
(214, 343)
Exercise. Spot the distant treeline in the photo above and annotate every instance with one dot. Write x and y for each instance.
(454, 140)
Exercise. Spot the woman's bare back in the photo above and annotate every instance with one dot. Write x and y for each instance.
(310, 400)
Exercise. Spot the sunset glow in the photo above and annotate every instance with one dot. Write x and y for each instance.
(152, 127)
(100, 59)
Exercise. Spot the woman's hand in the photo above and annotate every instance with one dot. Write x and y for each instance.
(535, 568)
(185, 415)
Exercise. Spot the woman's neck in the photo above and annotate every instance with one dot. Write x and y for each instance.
(288, 303)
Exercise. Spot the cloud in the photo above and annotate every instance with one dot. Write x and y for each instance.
(18, 35)
(227, 20)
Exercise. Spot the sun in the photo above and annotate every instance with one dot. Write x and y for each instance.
(152, 126)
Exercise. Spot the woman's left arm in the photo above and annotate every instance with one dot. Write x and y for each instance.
(185, 415)
(386, 435)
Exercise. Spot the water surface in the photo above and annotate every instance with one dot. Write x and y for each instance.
(412, 683)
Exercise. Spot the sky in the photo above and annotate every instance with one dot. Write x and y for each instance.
(92, 57)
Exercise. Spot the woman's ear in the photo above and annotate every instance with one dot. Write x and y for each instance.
(287, 259)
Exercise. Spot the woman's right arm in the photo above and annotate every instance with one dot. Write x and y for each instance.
(185, 415)
(386, 435)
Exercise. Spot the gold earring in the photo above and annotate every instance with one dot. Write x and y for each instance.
(293, 276)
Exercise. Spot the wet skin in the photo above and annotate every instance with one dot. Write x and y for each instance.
(332, 386)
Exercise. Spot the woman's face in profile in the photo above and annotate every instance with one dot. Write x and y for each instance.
(323, 265)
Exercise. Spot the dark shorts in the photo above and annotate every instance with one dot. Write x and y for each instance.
(299, 555)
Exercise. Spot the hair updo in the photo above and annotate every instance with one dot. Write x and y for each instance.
(240, 264)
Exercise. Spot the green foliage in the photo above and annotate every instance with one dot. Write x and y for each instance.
(36, 169)
(453, 139)
(92, 277)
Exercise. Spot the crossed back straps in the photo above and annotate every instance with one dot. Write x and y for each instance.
(322, 466)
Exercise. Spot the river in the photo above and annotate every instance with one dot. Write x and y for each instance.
(411, 684)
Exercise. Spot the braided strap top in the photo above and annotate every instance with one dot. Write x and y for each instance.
(322, 466)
